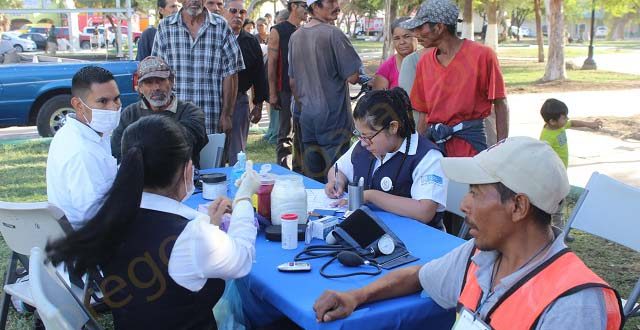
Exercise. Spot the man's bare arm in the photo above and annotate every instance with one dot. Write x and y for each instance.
(273, 49)
(502, 118)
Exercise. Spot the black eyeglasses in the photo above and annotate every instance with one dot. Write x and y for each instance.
(302, 4)
(367, 139)
(236, 10)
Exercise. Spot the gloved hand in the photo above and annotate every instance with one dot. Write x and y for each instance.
(248, 184)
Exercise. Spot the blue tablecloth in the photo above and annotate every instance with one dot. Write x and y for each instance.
(293, 294)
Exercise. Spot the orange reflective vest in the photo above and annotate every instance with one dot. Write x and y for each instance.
(523, 304)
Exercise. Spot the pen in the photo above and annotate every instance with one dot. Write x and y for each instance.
(335, 174)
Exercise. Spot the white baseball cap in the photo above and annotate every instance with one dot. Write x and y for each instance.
(523, 164)
(310, 2)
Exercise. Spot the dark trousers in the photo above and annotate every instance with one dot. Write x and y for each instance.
(318, 158)
(288, 135)
(237, 140)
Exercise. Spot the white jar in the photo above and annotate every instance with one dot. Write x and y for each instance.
(288, 196)
(214, 185)
(289, 231)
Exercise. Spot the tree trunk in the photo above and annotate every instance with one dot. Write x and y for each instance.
(391, 7)
(539, 36)
(555, 69)
(467, 20)
(491, 40)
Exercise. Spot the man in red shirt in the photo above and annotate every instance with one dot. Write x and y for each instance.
(457, 83)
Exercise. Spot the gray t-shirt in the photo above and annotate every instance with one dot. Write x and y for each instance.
(321, 60)
(442, 281)
(408, 71)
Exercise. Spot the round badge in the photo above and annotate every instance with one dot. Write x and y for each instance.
(386, 183)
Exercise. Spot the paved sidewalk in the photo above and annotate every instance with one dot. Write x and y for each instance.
(588, 151)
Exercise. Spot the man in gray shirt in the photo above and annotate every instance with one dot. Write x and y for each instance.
(322, 61)
(513, 274)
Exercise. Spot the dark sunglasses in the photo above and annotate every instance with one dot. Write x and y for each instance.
(236, 10)
(301, 4)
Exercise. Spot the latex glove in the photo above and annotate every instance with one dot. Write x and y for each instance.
(248, 184)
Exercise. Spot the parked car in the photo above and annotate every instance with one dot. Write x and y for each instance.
(111, 37)
(19, 44)
(601, 31)
(34, 28)
(524, 31)
(39, 39)
(40, 93)
(136, 35)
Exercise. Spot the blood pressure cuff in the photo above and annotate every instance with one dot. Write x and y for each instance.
(361, 231)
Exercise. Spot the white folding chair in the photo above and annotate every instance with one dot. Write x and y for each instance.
(24, 226)
(610, 209)
(455, 194)
(211, 154)
(56, 305)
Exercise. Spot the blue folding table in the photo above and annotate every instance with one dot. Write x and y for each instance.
(293, 294)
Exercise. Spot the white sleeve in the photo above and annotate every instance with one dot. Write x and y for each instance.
(87, 179)
(429, 181)
(203, 251)
(344, 163)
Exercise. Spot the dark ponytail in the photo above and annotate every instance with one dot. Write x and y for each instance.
(379, 108)
(154, 151)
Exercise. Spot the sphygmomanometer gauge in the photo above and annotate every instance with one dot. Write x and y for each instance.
(386, 244)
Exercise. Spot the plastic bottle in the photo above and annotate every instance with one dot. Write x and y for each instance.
(237, 172)
(289, 231)
(288, 196)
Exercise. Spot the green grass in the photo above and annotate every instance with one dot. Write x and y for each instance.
(22, 178)
(569, 51)
(525, 73)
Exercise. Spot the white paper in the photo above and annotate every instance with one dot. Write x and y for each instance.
(317, 199)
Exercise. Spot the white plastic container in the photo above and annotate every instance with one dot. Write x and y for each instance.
(289, 227)
(288, 196)
(214, 185)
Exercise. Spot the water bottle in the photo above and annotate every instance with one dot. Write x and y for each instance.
(237, 172)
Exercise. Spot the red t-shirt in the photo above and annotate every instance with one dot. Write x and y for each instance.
(463, 90)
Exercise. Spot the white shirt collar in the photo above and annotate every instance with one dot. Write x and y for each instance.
(84, 130)
(151, 201)
(413, 148)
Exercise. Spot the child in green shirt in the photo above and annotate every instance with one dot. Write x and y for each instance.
(554, 113)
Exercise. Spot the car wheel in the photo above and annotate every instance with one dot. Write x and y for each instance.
(18, 48)
(52, 114)
(85, 45)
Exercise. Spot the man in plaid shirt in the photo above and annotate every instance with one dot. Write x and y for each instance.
(205, 56)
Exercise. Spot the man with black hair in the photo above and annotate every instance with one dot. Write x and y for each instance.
(322, 62)
(145, 43)
(513, 274)
(80, 168)
(279, 87)
(155, 85)
(457, 83)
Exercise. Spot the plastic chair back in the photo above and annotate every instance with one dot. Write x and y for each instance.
(56, 305)
(211, 154)
(610, 209)
(25, 225)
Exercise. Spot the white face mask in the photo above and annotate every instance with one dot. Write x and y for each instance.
(189, 191)
(103, 121)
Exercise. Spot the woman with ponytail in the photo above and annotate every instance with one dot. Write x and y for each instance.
(400, 169)
(164, 264)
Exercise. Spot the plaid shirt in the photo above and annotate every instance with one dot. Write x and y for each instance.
(201, 64)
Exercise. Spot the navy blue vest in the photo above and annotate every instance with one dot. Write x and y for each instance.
(399, 169)
(137, 285)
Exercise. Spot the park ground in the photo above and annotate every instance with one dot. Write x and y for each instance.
(611, 93)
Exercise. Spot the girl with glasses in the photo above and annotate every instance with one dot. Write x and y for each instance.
(400, 169)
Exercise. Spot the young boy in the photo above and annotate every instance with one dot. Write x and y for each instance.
(555, 113)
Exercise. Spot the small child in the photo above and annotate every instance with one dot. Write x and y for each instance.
(555, 113)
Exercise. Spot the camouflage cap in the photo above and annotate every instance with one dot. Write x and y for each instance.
(153, 66)
(433, 11)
